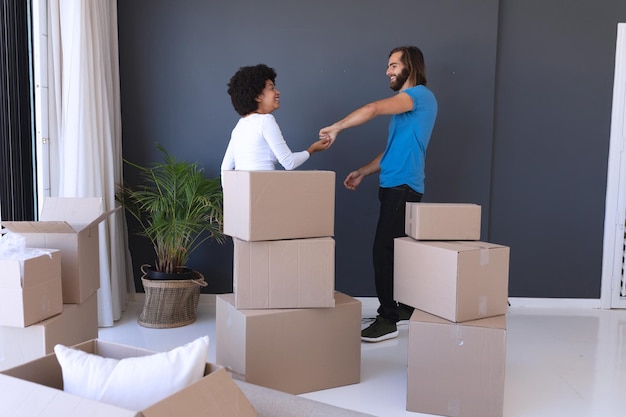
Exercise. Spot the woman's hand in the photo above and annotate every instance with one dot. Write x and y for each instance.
(320, 145)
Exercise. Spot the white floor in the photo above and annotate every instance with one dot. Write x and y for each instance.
(560, 362)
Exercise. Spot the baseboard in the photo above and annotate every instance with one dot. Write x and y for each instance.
(522, 302)
(371, 303)
(580, 303)
(207, 299)
(368, 303)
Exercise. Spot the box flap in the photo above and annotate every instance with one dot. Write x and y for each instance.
(78, 212)
(424, 317)
(55, 226)
(461, 245)
(444, 205)
(20, 398)
(31, 267)
(113, 350)
(495, 322)
(481, 245)
(101, 217)
(64, 215)
(216, 395)
(39, 227)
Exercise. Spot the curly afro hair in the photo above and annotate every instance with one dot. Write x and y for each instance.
(247, 84)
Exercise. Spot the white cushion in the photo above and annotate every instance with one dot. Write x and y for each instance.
(132, 383)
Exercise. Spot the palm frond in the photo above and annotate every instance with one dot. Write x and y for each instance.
(178, 208)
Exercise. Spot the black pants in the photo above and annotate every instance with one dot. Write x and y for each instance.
(390, 226)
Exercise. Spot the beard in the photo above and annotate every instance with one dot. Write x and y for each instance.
(400, 80)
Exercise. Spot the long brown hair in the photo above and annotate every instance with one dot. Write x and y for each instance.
(413, 60)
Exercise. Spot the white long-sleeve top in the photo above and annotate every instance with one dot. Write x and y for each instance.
(257, 144)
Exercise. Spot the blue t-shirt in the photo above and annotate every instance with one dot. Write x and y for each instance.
(409, 134)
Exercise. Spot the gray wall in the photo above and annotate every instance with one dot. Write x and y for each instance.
(524, 94)
(553, 111)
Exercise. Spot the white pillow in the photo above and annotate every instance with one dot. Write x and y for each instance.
(132, 383)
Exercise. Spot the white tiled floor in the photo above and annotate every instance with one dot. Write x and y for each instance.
(560, 362)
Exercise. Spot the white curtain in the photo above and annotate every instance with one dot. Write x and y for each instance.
(85, 130)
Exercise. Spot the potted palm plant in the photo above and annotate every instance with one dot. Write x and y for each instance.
(178, 208)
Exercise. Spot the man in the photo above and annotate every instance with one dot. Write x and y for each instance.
(401, 166)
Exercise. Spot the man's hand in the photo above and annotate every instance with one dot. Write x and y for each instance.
(329, 133)
(353, 179)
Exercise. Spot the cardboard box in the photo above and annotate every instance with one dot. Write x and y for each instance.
(274, 205)
(75, 324)
(30, 287)
(296, 273)
(456, 369)
(291, 350)
(35, 389)
(443, 221)
(456, 280)
(71, 225)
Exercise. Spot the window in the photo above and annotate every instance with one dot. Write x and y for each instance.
(17, 150)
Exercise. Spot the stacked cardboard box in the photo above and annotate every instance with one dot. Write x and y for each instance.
(457, 334)
(30, 286)
(56, 289)
(284, 326)
(282, 223)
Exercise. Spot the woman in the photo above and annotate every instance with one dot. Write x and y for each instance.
(256, 142)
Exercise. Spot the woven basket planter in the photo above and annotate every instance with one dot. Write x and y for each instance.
(170, 303)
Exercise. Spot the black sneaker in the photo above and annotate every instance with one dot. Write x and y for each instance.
(404, 313)
(381, 329)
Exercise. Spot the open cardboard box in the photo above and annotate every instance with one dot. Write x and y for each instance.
(35, 389)
(71, 225)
